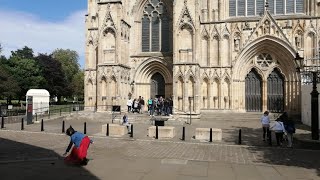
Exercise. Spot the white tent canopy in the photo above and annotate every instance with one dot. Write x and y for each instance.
(40, 99)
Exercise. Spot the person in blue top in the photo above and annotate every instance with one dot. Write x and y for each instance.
(80, 143)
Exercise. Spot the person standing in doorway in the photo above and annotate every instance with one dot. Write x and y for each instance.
(142, 105)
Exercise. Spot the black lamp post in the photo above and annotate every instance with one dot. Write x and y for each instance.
(314, 98)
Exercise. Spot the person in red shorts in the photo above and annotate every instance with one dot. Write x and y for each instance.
(80, 142)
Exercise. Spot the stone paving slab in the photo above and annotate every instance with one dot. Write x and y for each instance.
(117, 158)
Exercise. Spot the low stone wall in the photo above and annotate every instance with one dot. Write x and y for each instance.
(204, 134)
(115, 130)
(14, 119)
(165, 132)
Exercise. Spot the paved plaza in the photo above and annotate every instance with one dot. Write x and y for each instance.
(31, 154)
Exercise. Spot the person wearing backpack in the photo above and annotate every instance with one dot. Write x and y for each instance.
(290, 130)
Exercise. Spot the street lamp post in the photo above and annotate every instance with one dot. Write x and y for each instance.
(314, 98)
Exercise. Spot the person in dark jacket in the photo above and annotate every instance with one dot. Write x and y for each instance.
(289, 127)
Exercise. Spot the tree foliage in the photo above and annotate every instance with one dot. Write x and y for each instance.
(58, 72)
(78, 84)
(25, 70)
(51, 71)
(70, 66)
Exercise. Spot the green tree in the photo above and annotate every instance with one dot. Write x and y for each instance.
(51, 71)
(25, 70)
(78, 85)
(70, 66)
(8, 85)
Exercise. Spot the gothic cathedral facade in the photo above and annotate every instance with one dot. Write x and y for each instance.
(207, 55)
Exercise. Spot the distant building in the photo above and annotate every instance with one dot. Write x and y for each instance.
(223, 55)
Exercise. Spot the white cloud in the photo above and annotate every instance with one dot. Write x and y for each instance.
(19, 29)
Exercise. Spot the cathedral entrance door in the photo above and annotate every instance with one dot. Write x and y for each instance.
(157, 85)
(253, 92)
(275, 91)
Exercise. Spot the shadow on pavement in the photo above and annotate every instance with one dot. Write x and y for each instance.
(299, 156)
(24, 161)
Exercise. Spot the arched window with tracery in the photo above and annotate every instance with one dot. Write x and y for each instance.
(155, 27)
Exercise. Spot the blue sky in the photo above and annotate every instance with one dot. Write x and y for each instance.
(43, 25)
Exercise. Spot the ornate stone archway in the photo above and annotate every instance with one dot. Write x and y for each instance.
(153, 70)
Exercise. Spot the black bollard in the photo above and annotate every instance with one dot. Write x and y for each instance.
(42, 129)
(36, 117)
(131, 135)
(85, 128)
(239, 140)
(60, 111)
(156, 131)
(2, 122)
(183, 133)
(63, 129)
(210, 135)
(22, 125)
(107, 129)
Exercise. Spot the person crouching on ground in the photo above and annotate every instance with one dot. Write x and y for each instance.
(125, 122)
(80, 142)
(265, 121)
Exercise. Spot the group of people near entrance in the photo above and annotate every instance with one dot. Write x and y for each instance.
(160, 106)
(283, 128)
(156, 106)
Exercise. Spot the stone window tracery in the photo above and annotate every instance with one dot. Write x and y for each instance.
(264, 60)
(256, 7)
(155, 27)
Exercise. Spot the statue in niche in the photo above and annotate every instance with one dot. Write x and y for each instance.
(298, 40)
(266, 29)
(236, 44)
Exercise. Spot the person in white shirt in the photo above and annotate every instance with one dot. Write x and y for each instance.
(265, 121)
(129, 104)
(279, 129)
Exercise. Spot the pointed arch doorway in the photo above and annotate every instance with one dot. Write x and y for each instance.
(253, 91)
(157, 87)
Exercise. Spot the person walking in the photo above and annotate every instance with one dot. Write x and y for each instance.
(289, 127)
(265, 121)
(279, 129)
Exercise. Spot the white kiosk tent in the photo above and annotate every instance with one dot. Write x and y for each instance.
(40, 100)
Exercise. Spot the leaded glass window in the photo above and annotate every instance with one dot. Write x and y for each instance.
(256, 7)
(155, 27)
